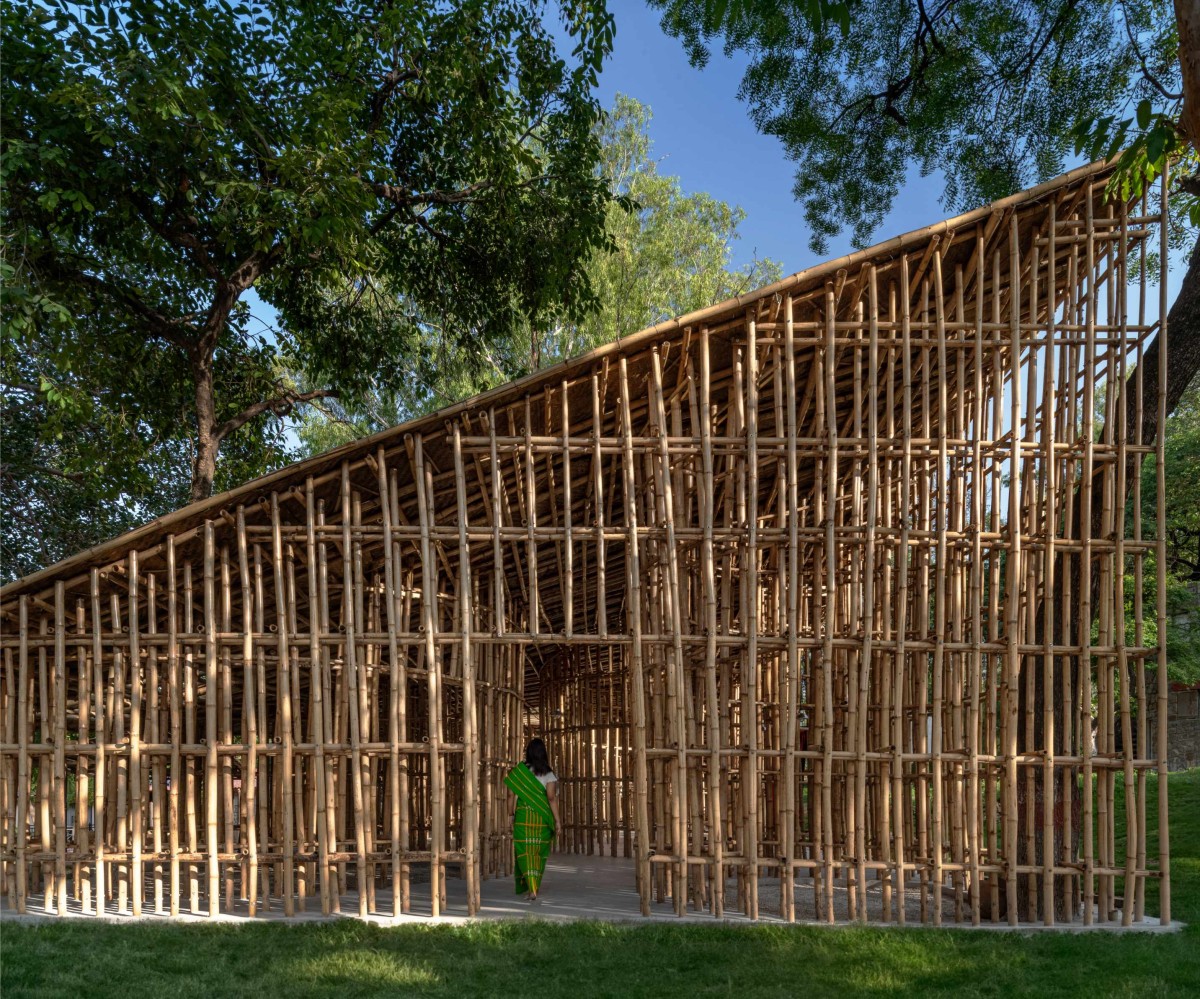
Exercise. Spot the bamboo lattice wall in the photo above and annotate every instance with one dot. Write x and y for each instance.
(783, 584)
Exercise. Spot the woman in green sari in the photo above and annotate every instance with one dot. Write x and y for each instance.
(535, 817)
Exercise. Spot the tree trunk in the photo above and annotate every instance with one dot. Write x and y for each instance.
(208, 436)
(204, 459)
(1187, 17)
(1183, 333)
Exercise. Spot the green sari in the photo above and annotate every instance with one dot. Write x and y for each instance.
(533, 828)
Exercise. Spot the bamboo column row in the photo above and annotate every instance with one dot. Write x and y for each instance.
(831, 608)
(254, 726)
(868, 657)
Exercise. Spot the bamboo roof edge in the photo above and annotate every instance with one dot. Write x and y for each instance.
(108, 551)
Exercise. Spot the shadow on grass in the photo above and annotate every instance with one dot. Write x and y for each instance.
(583, 959)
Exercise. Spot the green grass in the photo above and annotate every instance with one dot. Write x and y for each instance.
(348, 958)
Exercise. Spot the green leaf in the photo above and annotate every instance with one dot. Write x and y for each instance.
(1144, 113)
(1156, 144)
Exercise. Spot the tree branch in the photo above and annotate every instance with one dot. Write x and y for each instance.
(7, 470)
(1060, 19)
(162, 326)
(189, 242)
(391, 81)
(403, 198)
(281, 405)
(1146, 74)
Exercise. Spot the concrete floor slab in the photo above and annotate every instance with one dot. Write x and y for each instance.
(575, 888)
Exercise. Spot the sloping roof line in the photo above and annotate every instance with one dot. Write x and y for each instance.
(108, 551)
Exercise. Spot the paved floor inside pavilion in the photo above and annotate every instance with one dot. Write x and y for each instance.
(576, 887)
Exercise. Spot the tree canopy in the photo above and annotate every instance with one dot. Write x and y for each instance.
(378, 173)
(996, 96)
(667, 253)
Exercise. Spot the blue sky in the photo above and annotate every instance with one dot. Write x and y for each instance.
(703, 134)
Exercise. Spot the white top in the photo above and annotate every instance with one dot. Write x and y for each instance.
(547, 778)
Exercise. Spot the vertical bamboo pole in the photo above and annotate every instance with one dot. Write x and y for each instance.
(401, 705)
(672, 593)
(82, 784)
(634, 612)
(174, 718)
(45, 871)
(210, 716)
(60, 759)
(940, 596)
(791, 685)
(920, 677)
(394, 693)
(270, 766)
(997, 672)
(531, 545)
(568, 568)
(857, 614)
(23, 762)
(8, 789)
(1013, 584)
(191, 794)
(1070, 686)
(1085, 595)
(358, 700)
(497, 514)
(283, 694)
(155, 766)
(1133, 834)
(250, 777)
(226, 726)
(176, 729)
(708, 492)
(101, 755)
(1143, 730)
(598, 493)
(976, 602)
(302, 833)
(354, 679)
(868, 583)
(429, 612)
(829, 363)
(750, 726)
(1050, 528)
(1164, 837)
(899, 794)
(470, 734)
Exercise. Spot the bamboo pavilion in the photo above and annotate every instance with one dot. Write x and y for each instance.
(829, 589)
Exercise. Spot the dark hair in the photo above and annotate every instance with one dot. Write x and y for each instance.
(536, 758)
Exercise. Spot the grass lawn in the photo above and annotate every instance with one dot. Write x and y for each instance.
(347, 958)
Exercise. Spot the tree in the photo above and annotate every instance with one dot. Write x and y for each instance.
(1181, 533)
(368, 168)
(667, 253)
(670, 252)
(81, 462)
